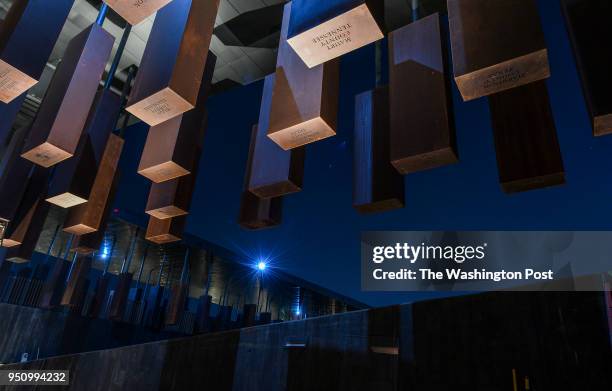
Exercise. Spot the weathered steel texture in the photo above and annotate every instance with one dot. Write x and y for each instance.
(526, 144)
(256, 212)
(172, 198)
(377, 186)
(74, 178)
(421, 112)
(496, 45)
(273, 172)
(171, 147)
(136, 11)
(86, 218)
(166, 230)
(321, 31)
(588, 24)
(304, 101)
(172, 67)
(63, 113)
(32, 210)
(27, 36)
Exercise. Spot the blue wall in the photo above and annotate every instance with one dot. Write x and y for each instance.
(319, 238)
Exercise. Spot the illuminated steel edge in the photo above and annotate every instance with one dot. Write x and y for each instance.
(58, 127)
(255, 212)
(171, 71)
(304, 101)
(496, 45)
(321, 31)
(422, 128)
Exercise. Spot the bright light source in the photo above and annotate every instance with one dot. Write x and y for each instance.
(298, 312)
(261, 266)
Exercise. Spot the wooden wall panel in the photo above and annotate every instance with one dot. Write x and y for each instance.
(323, 30)
(170, 73)
(377, 186)
(170, 148)
(27, 36)
(135, 12)
(526, 144)
(86, 218)
(256, 212)
(304, 101)
(166, 230)
(274, 172)
(496, 45)
(74, 178)
(588, 22)
(422, 122)
(62, 115)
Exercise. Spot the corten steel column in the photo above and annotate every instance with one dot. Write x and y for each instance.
(136, 11)
(526, 145)
(496, 45)
(77, 278)
(13, 176)
(86, 218)
(62, 115)
(124, 282)
(23, 231)
(304, 101)
(320, 31)
(173, 63)
(53, 287)
(588, 22)
(255, 212)
(135, 295)
(166, 230)
(173, 198)
(170, 149)
(74, 178)
(421, 114)
(377, 186)
(99, 300)
(274, 171)
(90, 242)
(179, 294)
(29, 24)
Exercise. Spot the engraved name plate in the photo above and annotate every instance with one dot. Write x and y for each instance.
(496, 45)
(135, 11)
(320, 31)
(304, 101)
(172, 66)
